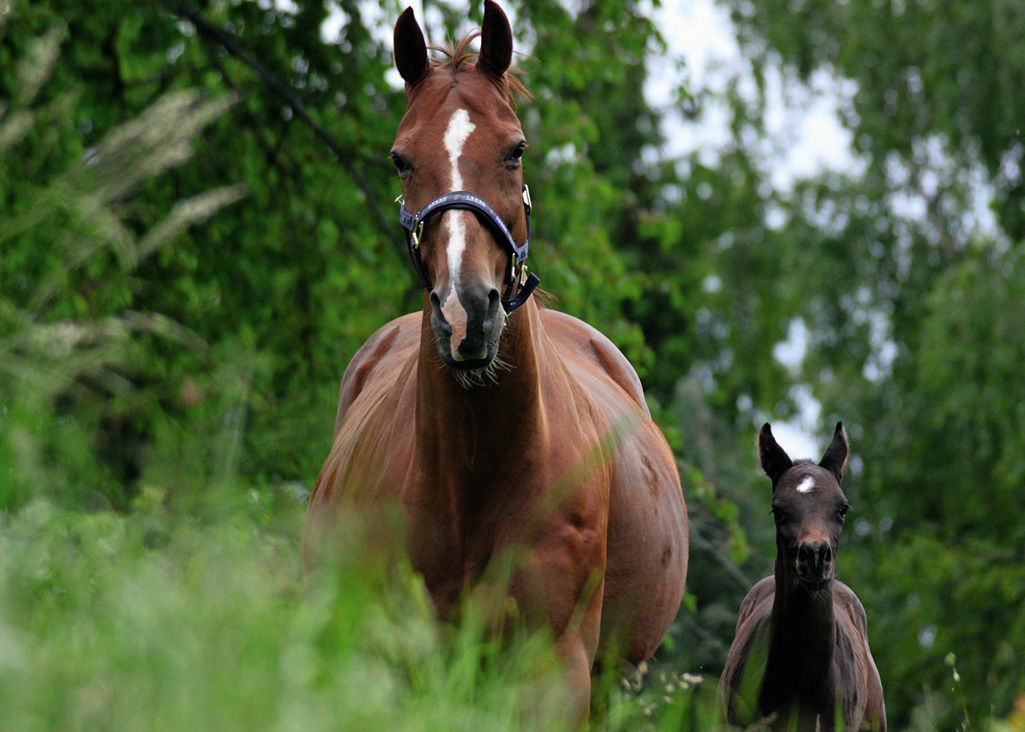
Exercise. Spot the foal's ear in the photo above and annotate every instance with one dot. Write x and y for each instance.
(835, 458)
(775, 461)
(410, 48)
(496, 43)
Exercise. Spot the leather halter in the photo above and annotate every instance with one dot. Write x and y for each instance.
(520, 283)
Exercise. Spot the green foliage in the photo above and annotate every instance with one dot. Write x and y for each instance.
(260, 278)
(71, 345)
(912, 306)
(196, 235)
(946, 69)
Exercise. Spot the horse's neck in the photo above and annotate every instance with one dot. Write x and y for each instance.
(468, 431)
(800, 663)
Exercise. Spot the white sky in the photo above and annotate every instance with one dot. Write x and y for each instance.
(804, 137)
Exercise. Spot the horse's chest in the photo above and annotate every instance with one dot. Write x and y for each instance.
(450, 554)
(462, 539)
(453, 533)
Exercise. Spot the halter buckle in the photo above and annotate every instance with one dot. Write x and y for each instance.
(526, 197)
(416, 233)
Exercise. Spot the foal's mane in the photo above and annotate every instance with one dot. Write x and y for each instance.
(459, 56)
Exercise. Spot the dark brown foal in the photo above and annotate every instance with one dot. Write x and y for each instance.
(800, 658)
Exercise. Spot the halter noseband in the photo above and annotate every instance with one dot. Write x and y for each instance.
(520, 283)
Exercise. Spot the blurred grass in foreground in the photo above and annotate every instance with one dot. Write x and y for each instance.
(148, 622)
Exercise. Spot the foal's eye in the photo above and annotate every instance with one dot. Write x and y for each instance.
(515, 155)
(401, 164)
(777, 513)
(843, 509)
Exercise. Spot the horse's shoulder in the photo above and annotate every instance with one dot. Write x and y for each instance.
(748, 654)
(376, 352)
(755, 601)
(582, 340)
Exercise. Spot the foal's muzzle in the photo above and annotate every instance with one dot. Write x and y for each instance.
(814, 564)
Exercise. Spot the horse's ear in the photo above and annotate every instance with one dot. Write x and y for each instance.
(410, 48)
(775, 461)
(835, 458)
(496, 43)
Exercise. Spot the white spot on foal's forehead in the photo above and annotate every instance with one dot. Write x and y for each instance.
(806, 485)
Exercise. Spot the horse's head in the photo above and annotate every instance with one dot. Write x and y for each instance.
(461, 134)
(808, 505)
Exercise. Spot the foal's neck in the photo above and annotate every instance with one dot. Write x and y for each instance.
(800, 663)
(803, 619)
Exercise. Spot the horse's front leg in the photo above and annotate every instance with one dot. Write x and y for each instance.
(561, 586)
(577, 658)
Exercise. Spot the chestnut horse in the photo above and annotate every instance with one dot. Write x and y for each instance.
(494, 423)
(800, 655)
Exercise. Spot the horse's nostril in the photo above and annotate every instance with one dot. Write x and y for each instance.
(439, 315)
(494, 306)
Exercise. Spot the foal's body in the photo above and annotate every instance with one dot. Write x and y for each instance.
(524, 437)
(832, 665)
(801, 652)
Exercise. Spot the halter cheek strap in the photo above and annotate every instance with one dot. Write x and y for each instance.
(520, 283)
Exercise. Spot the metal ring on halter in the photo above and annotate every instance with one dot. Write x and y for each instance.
(414, 224)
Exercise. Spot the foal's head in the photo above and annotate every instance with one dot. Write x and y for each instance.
(460, 133)
(809, 507)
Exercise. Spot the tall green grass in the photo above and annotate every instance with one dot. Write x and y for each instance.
(150, 622)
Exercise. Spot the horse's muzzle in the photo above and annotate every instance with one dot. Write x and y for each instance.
(467, 326)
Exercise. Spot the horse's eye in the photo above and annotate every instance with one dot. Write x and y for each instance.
(777, 513)
(516, 154)
(843, 509)
(401, 164)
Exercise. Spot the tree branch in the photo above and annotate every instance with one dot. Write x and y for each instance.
(701, 632)
(731, 569)
(299, 109)
(288, 169)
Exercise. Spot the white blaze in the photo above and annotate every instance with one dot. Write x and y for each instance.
(459, 128)
(806, 485)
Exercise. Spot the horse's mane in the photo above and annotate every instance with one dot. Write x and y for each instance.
(460, 56)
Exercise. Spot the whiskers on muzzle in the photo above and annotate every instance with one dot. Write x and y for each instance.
(472, 378)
